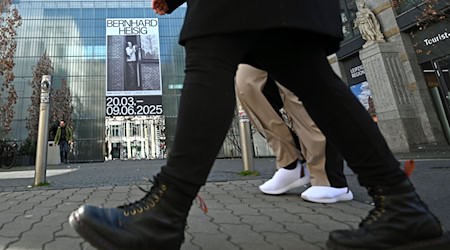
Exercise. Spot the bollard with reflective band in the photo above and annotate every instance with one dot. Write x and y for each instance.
(41, 149)
(246, 140)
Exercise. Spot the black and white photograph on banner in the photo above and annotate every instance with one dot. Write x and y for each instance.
(133, 57)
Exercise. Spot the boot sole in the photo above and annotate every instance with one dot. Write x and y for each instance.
(440, 243)
(88, 234)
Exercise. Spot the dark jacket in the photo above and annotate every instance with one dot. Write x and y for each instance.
(210, 17)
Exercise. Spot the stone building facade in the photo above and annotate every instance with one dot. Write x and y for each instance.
(404, 86)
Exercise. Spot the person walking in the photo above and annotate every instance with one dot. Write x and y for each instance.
(260, 96)
(63, 138)
(289, 39)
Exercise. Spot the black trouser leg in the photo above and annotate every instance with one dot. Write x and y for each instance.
(206, 107)
(334, 166)
(337, 112)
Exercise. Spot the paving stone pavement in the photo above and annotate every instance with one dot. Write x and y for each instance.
(239, 216)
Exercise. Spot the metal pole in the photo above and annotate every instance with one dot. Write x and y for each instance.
(246, 140)
(41, 150)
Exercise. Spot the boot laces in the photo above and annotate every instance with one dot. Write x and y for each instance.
(377, 212)
(151, 198)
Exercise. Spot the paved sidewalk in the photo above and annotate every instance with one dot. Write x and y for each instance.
(239, 216)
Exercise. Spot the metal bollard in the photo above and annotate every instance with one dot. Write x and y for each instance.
(246, 140)
(41, 150)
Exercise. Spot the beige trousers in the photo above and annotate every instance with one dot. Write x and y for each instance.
(250, 82)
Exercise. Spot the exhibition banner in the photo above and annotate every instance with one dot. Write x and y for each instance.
(133, 69)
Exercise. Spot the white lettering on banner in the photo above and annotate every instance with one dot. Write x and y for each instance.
(129, 106)
(439, 37)
(131, 22)
(357, 71)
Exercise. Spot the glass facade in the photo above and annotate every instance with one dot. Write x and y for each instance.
(348, 15)
(73, 33)
(402, 6)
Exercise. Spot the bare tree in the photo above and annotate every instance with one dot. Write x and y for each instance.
(61, 104)
(43, 67)
(233, 136)
(430, 13)
(9, 21)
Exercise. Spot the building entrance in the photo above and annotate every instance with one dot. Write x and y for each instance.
(441, 67)
(438, 79)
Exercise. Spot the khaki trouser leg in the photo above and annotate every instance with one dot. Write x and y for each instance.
(312, 140)
(250, 82)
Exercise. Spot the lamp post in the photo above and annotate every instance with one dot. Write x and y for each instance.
(41, 150)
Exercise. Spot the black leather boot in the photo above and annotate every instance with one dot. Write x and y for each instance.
(156, 222)
(400, 220)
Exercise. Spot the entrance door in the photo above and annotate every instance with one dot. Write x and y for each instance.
(115, 151)
(441, 68)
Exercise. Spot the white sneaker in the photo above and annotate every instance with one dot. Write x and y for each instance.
(286, 179)
(323, 194)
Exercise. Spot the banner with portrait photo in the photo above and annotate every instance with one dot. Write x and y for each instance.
(133, 66)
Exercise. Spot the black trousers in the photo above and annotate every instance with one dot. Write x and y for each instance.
(208, 101)
(334, 163)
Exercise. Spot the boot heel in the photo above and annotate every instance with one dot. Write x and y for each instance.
(440, 243)
(399, 221)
